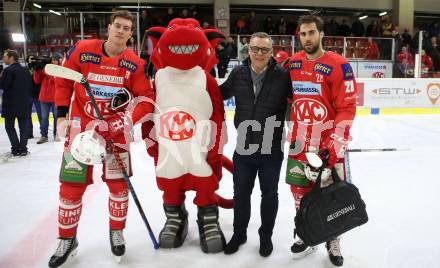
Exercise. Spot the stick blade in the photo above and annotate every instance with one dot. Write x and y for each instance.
(63, 72)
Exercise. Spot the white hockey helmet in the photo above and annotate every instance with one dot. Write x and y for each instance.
(88, 148)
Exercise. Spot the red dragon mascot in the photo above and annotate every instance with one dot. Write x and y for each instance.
(186, 131)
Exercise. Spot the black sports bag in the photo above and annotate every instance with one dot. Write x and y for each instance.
(328, 212)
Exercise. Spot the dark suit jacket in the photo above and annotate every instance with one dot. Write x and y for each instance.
(16, 83)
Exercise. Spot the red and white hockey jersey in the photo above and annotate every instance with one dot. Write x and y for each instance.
(324, 100)
(106, 75)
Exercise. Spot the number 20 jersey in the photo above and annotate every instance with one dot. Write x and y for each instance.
(324, 99)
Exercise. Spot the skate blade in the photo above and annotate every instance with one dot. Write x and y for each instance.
(117, 259)
(306, 252)
(69, 259)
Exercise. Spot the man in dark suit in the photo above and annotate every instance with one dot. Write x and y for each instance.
(261, 89)
(16, 83)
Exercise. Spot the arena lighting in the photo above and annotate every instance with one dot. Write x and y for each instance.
(18, 37)
(136, 7)
(54, 12)
(295, 9)
(383, 13)
(36, 5)
(363, 17)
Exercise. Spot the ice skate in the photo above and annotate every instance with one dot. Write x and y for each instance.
(66, 250)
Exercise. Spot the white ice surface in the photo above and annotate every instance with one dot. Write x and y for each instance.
(401, 190)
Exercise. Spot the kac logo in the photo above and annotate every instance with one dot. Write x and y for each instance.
(177, 125)
(378, 75)
(309, 111)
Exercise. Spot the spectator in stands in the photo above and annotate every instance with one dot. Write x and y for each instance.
(47, 99)
(291, 26)
(373, 29)
(145, 22)
(357, 28)
(223, 59)
(185, 13)
(426, 64)
(387, 27)
(434, 29)
(252, 23)
(331, 28)
(269, 25)
(371, 50)
(206, 25)
(344, 29)
(16, 83)
(282, 58)
(196, 15)
(231, 48)
(31, 65)
(240, 25)
(406, 38)
(282, 26)
(169, 16)
(432, 45)
(5, 38)
(243, 49)
(406, 62)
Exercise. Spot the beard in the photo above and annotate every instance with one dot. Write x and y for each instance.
(311, 50)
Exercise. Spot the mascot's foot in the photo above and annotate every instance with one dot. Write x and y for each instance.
(175, 229)
(212, 239)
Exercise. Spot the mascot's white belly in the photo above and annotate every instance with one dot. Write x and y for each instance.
(183, 129)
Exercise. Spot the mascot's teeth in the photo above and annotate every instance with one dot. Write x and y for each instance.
(189, 49)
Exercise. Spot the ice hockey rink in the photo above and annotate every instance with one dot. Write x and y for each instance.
(401, 190)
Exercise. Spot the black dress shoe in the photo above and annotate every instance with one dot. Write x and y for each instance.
(235, 242)
(266, 247)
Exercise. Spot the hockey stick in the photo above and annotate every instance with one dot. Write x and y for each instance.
(66, 73)
(377, 150)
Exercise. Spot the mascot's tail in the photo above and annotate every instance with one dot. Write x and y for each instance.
(223, 202)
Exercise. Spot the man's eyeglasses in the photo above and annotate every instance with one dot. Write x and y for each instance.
(263, 50)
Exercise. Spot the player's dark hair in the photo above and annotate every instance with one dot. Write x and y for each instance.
(125, 14)
(307, 19)
(11, 53)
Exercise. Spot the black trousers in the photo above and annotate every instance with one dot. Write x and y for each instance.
(246, 167)
(17, 146)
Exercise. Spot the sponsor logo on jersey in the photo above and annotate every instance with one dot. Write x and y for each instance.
(128, 65)
(347, 71)
(295, 65)
(177, 125)
(105, 78)
(103, 106)
(322, 68)
(306, 88)
(90, 58)
(309, 111)
(103, 92)
(378, 75)
(70, 51)
(108, 68)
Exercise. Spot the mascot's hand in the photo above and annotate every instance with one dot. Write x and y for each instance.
(117, 125)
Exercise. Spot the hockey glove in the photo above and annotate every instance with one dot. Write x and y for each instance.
(333, 147)
(117, 125)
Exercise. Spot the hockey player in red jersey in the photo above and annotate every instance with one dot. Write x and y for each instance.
(324, 106)
(116, 76)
